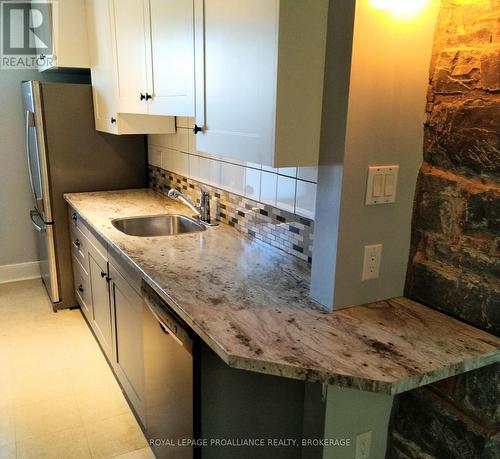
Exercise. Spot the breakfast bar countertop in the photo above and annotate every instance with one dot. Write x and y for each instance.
(249, 302)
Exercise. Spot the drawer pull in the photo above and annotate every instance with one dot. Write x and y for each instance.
(77, 243)
(80, 288)
(74, 217)
(103, 274)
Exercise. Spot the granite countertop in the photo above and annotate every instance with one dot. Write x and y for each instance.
(249, 302)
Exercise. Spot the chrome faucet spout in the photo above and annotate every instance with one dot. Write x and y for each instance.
(202, 211)
(173, 194)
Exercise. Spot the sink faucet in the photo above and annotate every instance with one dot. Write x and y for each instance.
(202, 212)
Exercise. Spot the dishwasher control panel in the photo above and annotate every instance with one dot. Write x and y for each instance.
(166, 318)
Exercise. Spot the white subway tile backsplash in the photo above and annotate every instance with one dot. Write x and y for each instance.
(254, 165)
(170, 141)
(252, 183)
(288, 171)
(268, 188)
(269, 169)
(191, 142)
(308, 173)
(178, 162)
(214, 172)
(204, 170)
(305, 200)
(182, 139)
(194, 167)
(159, 140)
(285, 195)
(233, 178)
(290, 189)
(167, 158)
(182, 122)
(154, 156)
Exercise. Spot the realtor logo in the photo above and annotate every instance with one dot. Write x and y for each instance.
(27, 41)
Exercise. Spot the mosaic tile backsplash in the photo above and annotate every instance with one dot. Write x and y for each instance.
(279, 228)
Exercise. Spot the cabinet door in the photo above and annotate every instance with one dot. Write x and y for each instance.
(102, 64)
(172, 54)
(128, 360)
(236, 61)
(82, 288)
(101, 317)
(68, 33)
(130, 38)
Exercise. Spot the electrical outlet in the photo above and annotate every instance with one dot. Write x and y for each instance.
(363, 443)
(371, 261)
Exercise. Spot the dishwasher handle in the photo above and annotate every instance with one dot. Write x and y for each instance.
(168, 323)
(163, 325)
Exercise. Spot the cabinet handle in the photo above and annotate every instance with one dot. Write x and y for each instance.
(77, 242)
(80, 288)
(74, 217)
(103, 274)
(142, 96)
(196, 129)
(148, 96)
(113, 120)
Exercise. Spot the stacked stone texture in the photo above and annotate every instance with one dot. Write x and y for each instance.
(455, 257)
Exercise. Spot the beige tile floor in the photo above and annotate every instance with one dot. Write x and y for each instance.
(58, 397)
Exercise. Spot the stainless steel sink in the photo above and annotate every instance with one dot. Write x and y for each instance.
(157, 225)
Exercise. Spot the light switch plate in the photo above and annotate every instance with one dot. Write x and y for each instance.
(381, 184)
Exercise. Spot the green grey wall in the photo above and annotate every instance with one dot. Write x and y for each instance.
(351, 412)
(372, 116)
(17, 238)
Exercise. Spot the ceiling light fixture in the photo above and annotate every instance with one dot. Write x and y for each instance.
(401, 9)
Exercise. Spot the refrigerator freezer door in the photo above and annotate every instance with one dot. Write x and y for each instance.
(35, 149)
(47, 255)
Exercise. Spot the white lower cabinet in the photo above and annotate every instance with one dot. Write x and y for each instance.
(108, 294)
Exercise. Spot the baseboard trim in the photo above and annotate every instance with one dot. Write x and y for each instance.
(19, 272)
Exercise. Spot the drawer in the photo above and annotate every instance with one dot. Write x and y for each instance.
(80, 247)
(76, 223)
(82, 287)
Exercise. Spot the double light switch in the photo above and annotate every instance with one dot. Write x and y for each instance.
(381, 186)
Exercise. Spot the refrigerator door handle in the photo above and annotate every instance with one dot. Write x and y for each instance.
(30, 122)
(40, 229)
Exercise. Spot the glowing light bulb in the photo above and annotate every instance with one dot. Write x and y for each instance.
(403, 9)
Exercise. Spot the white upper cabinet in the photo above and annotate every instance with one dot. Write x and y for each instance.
(104, 73)
(67, 29)
(155, 56)
(101, 58)
(172, 56)
(131, 55)
(259, 68)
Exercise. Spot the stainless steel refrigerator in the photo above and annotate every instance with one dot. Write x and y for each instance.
(66, 154)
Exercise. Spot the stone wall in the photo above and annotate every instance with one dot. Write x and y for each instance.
(455, 256)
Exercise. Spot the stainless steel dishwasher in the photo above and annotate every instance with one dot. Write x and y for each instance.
(168, 381)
